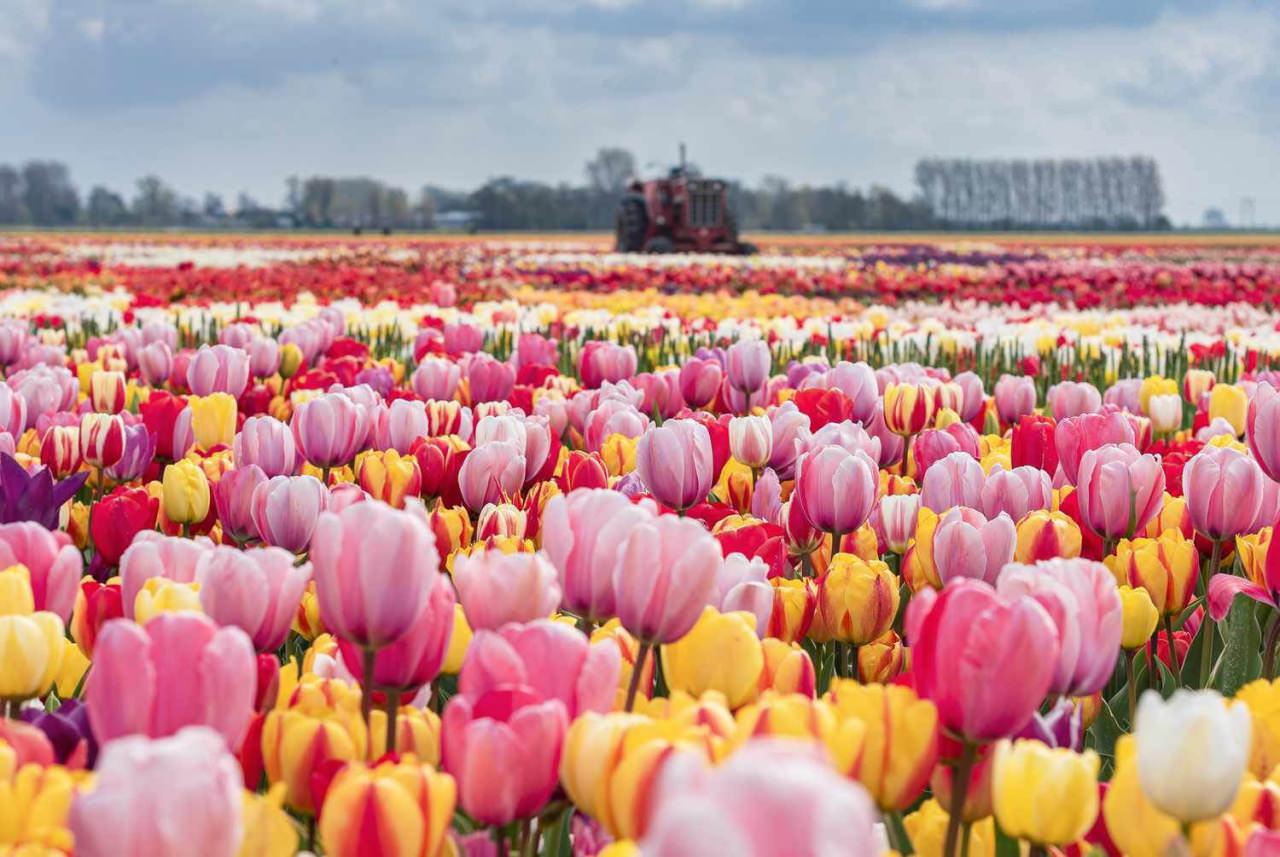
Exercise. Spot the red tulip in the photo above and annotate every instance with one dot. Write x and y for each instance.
(120, 516)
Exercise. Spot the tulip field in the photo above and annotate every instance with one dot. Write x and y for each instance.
(500, 546)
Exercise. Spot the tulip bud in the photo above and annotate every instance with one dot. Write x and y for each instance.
(60, 450)
(751, 440)
(397, 808)
(899, 741)
(107, 390)
(1165, 412)
(101, 439)
(31, 648)
(1045, 535)
(290, 360)
(1027, 775)
(720, 653)
(390, 477)
(908, 408)
(186, 493)
(857, 601)
(1231, 403)
(794, 605)
(1140, 617)
(213, 420)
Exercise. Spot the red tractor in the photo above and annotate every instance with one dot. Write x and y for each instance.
(682, 213)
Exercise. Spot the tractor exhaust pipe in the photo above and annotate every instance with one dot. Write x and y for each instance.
(682, 159)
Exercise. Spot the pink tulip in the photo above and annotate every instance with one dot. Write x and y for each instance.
(892, 446)
(1269, 508)
(1072, 398)
(790, 427)
(238, 334)
(153, 555)
(613, 417)
(1125, 394)
(489, 380)
(233, 497)
(966, 544)
(491, 473)
(13, 338)
(256, 590)
(375, 568)
(675, 463)
(1075, 436)
(836, 489)
(218, 369)
(286, 509)
(933, 445)
(1224, 490)
(330, 429)
(462, 338)
(345, 494)
(849, 436)
(495, 588)
(956, 480)
(403, 422)
(985, 661)
(268, 443)
(436, 379)
(858, 382)
(1082, 600)
(13, 411)
(742, 585)
(747, 363)
(155, 364)
(552, 659)
(160, 331)
(766, 496)
(895, 519)
(1263, 429)
(602, 362)
(974, 395)
(531, 436)
(415, 659)
(581, 532)
(180, 669)
(53, 561)
(1015, 397)
(664, 573)
(1016, 492)
(700, 381)
(534, 349)
(179, 796)
(46, 389)
(1120, 490)
(264, 356)
(661, 395)
(772, 797)
(503, 748)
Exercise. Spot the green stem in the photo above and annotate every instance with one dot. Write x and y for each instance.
(392, 708)
(634, 686)
(1131, 684)
(1207, 626)
(1173, 652)
(966, 836)
(1269, 648)
(959, 790)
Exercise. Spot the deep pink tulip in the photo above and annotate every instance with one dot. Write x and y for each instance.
(495, 588)
(52, 559)
(932, 445)
(700, 381)
(664, 574)
(218, 369)
(153, 555)
(1016, 492)
(1075, 436)
(330, 429)
(268, 443)
(1120, 490)
(179, 796)
(257, 590)
(836, 489)
(967, 544)
(1081, 598)
(286, 509)
(675, 463)
(956, 480)
(661, 392)
(771, 797)
(374, 569)
(462, 338)
(436, 379)
(552, 659)
(1224, 490)
(180, 669)
(1263, 429)
(1072, 398)
(747, 363)
(233, 497)
(581, 532)
(985, 661)
(1015, 397)
(491, 473)
(489, 380)
(503, 748)
(13, 411)
(602, 362)
(415, 659)
(974, 395)
(534, 349)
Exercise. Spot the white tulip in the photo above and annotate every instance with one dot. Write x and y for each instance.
(1192, 752)
(751, 440)
(1165, 413)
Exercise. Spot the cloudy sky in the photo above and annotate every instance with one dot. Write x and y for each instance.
(231, 95)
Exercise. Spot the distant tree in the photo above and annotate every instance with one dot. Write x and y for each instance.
(156, 204)
(106, 208)
(13, 207)
(212, 207)
(610, 170)
(49, 196)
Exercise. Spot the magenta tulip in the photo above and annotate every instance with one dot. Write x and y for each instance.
(180, 669)
(674, 461)
(489, 380)
(256, 590)
(286, 509)
(967, 544)
(932, 445)
(602, 362)
(1120, 490)
(700, 381)
(1075, 436)
(495, 588)
(54, 563)
(233, 497)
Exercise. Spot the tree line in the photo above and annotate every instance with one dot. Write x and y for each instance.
(1096, 193)
(1101, 193)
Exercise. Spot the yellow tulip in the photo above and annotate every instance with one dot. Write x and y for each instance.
(720, 653)
(16, 598)
(1140, 616)
(857, 601)
(290, 360)
(213, 420)
(34, 805)
(1252, 551)
(1137, 828)
(927, 829)
(31, 652)
(789, 715)
(619, 454)
(1231, 403)
(918, 567)
(268, 831)
(389, 476)
(899, 745)
(161, 595)
(1155, 385)
(1046, 795)
(71, 672)
(185, 493)
(1167, 567)
(1263, 700)
(405, 808)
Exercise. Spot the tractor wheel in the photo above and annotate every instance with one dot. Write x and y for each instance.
(632, 221)
(660, 244)
(746, 248)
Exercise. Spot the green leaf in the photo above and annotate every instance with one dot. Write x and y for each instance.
(1240, 659)
(1006, 845)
